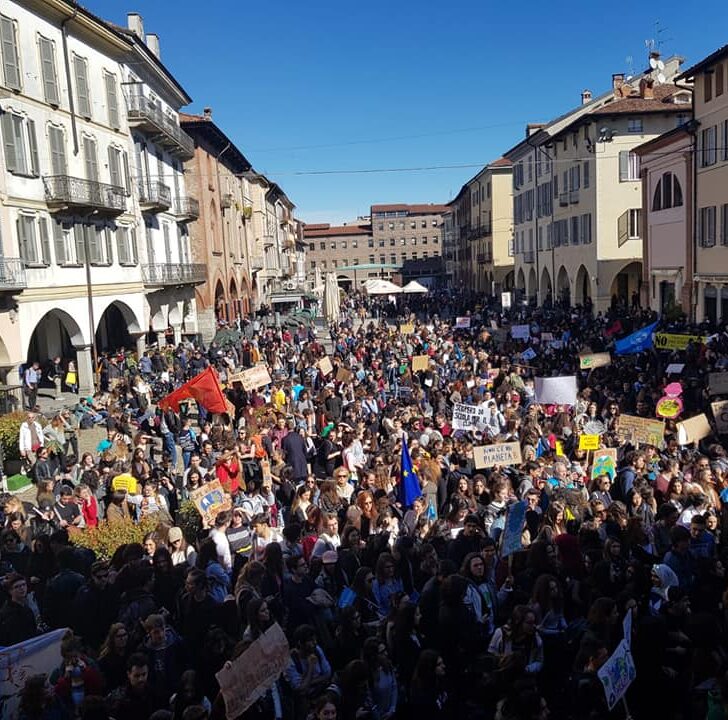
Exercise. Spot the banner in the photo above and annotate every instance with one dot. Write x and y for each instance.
(641, 430)
(588, 442)
(591, 361)
(556, 390)
(520, 332)
(669, 341)
(210, 499)
(512, 538)
(693, 429)
(38, 656)
(486, 456)
(462, 323)
(253, 673)
(718, 383)
(617, 674)
(420, 362)
(720, 414)
(325, 366)
(466, 417)
(256, 377)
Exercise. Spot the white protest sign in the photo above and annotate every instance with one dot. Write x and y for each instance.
(485, 456)
(674, 368)
(255, 377)
(556, 390)
(617, 674)
(465, 417)
(506, 300)
(720, 414)
(462, 323)
(520, 332)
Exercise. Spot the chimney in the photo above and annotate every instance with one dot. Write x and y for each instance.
(586, 97)
(207, 113)
(617, 82)
(153, 44)
(647, 91)
(135, 23)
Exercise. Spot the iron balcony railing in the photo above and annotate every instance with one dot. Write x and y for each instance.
(64, 191)
(563, 198)
(187, 207)
(12, 274)
(573, 196)
(161, 274)
(142, 112)
(155, 195)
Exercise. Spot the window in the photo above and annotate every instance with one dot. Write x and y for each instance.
(323, 264)
(403, 241)
(423, 241)
(356, 261)
(312, 246)
(434, 222)
(413, 241)
(435, 240)
(414, 256)
(322, 245)
(540, 237)
(126, 251)
(21, 147)
(57, 142)
(529, 166)
(548, 237)
(381, 242)
(423, 223)
(83, 101)
(371, 260)
(586, 236)
(371, 242)
(708, 149)
(47, 51)
(90, 159)
(393, 259)
(118, 164)
(575, 227)
(355, 243)
(425, 255)
(635, 220)
(99, 244)
(333, 245)
(63, 243)
(33, 243)
(344, 244)
(586, 174)
(392, 242)
(629, 166)
(335, 263)
(382, 259)
(707, 86)
(724, 224)
(668, 193)
(313, 264)
(401, 224)
(634, 125)
(413, 224)
(11, 59)
(706, 226)
(719, 79)
(112, 100)
(724, 141)
(380, 227)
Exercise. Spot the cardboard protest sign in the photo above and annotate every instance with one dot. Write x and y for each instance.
(210, 499)
(559, 450)
(125, 482)
(255, 378)
(462, 323)
(668, 407)
(506, 300)
(718, 383)
(640, 430)
(465, 417)
(674, 368)
(266, 473)
(486, 456)
(520, 332)
(343, 375)
(513, 531)
(528, 354)
(407, 328)
(693, 429)
(720, 414)
(670, 341)
(556, 390)
(590, 361)
(420, 362)
(588, 442)
(604, 464)
(325, 366)
(234, 377)
(254, 672)
(617, 674)
(547, 337)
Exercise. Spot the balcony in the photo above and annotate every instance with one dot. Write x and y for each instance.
(187, 208)
(163, 274)
(144, 114)
(64, 192)
(528, 257)
(563, 199)
(257, 262)
(155, 197)
(573, 196)
(226, 201)
(12, 274)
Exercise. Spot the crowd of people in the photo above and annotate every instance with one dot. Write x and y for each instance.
(392, 607)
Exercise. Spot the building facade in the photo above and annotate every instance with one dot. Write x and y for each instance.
(710, 190)
(667, 208)
(347, 250)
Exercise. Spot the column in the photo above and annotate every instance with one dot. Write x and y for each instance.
(141, 344)
(719, 302)
(177, 334)
(85, 369)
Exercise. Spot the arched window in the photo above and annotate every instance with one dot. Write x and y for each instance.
(657, 197)
(668, 193)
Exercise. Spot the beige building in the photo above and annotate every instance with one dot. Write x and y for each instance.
(484, 222)
(710, 221)
(667, 209)
(577, 193)
(347, 250)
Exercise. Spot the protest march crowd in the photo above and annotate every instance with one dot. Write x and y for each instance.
(458, 511)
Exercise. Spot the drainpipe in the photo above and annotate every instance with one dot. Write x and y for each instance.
(67, 65)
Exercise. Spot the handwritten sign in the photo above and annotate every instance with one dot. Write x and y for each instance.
(718, 383)
(343, 375)
(520, 332)
(588, 442)
(604, 464)
(420, 362)
(462, 323)
(254, 672)
(617, 674)
(266, 473)
(513, 531)
(560, 449)
(720, 415)
(693, 429)
(670, 341)
(486, 456)
(125, 482)
(407, 328)
(528, 354)
(325, 366)
(465, 417)
(591, 361)
(556, 390)
(234, 377)
(254, 378)
(210, 499)
(668, 407)
(640, 430)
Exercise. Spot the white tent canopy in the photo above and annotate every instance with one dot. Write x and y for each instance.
(414, 287)
(381, 287)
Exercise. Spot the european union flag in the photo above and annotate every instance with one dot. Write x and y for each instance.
(636, 342)
(409, 485)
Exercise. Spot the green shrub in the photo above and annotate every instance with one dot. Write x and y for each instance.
(9, 434)
(189, 521)
(105, 539)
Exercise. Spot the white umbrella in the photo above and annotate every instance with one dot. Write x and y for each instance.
(383, 287)
(332, 306)
(414, 287)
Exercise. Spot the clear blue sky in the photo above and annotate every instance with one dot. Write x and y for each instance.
(434, 83)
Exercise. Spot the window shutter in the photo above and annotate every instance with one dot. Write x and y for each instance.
(108, 232)
(48, 70)
(111, 100)
(45, 242)
(167, 245)
(33, 146)
(22, 240)
(586, 174)
(79, 234)
(150, 246)
(92, 166)
(127, 179)
(623, 227)
(57, 140)
(11, 160)
(11, 63)
(59, 243)
(121, 245)
(114, 169)
(82, 98)
(93, 243)
(623, 165)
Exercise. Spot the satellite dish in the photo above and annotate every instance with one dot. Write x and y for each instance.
(661, 78)
(653, 63)
(660, 65)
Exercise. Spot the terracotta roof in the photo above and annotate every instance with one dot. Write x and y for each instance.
(501, 162)
(423, 209)
(312, 231)
(705, 62)
(187, 117)
(636, 105)
(316, 226)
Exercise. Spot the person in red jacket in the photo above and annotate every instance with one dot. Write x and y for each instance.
(88, 504)
(77, 677)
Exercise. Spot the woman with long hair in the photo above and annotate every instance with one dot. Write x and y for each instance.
(554, 522)
(365, 503)
(428, 697)
(272, 585)
(218, 580)
(259, 618)
(386, 582)
(248, 587)
(519, 640)
(329, 499)
(301, 503)
(113, 656)
(382, 679)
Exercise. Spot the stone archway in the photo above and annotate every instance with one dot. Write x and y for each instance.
(626, 283)
(563, 287)
(532, 286)
(582, 286)
(220, 301)
(234, 302)
(116, 326)
(546, 289)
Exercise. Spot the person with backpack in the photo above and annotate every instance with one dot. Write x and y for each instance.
(187, 439)
(308, 672)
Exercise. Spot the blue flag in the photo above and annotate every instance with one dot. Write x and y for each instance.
(636, 342)
(409, 485)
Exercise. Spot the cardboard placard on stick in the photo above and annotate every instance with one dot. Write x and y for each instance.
(210, 499)
(588, 442)
(720, 415)
(325, 366)
(486, 456)
(256, 377)
(693, 429)
(718, 383)
(407, 328)
(641, 430)
(420, 362)
(343, 375)
(590, 361)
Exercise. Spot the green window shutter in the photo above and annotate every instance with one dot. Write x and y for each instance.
(11, 156)
(112, 102)
(57, 140)
(11, 62)
(33, 146)
(45, 242)
(59, 242)
(48, 70)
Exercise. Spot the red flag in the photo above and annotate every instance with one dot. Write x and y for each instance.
(613, 329)
(204, 388)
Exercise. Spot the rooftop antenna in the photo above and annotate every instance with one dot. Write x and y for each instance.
(629, 60)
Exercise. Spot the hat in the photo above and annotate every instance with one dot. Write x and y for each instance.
(174, 534)
(330, 557)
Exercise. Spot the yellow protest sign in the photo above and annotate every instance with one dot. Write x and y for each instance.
(420, 362)
(407, 328)
(125, 482)
(588, 442)
(560, 448)
(671, 341)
